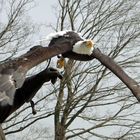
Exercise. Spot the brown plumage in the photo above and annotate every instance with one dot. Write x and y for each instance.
(28, 90)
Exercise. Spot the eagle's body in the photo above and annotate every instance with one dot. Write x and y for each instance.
(83, 47)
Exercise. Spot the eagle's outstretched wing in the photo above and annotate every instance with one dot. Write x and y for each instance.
(10, 80)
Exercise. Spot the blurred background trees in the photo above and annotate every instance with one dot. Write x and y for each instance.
(90, 102)
(16, 28)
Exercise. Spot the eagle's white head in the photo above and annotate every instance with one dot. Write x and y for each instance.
(83, 47)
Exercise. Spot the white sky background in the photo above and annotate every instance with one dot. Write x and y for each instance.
(43, 14)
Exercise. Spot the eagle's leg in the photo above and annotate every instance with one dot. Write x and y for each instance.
(60, 62)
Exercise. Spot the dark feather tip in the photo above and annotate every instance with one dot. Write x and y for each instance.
(53, 80)
(60, 76)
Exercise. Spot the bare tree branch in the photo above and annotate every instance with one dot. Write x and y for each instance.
(2, 135)
(110, 64)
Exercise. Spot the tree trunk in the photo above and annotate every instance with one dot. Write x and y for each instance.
(2, 135)
(59, 132)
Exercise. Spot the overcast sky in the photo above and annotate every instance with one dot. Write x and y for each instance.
(44, 14)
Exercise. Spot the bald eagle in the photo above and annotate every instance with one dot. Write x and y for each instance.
(83, 47)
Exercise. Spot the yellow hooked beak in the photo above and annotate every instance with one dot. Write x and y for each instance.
(89, 43)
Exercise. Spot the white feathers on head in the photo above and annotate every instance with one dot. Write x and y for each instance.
(83, 47)
(46, 40)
